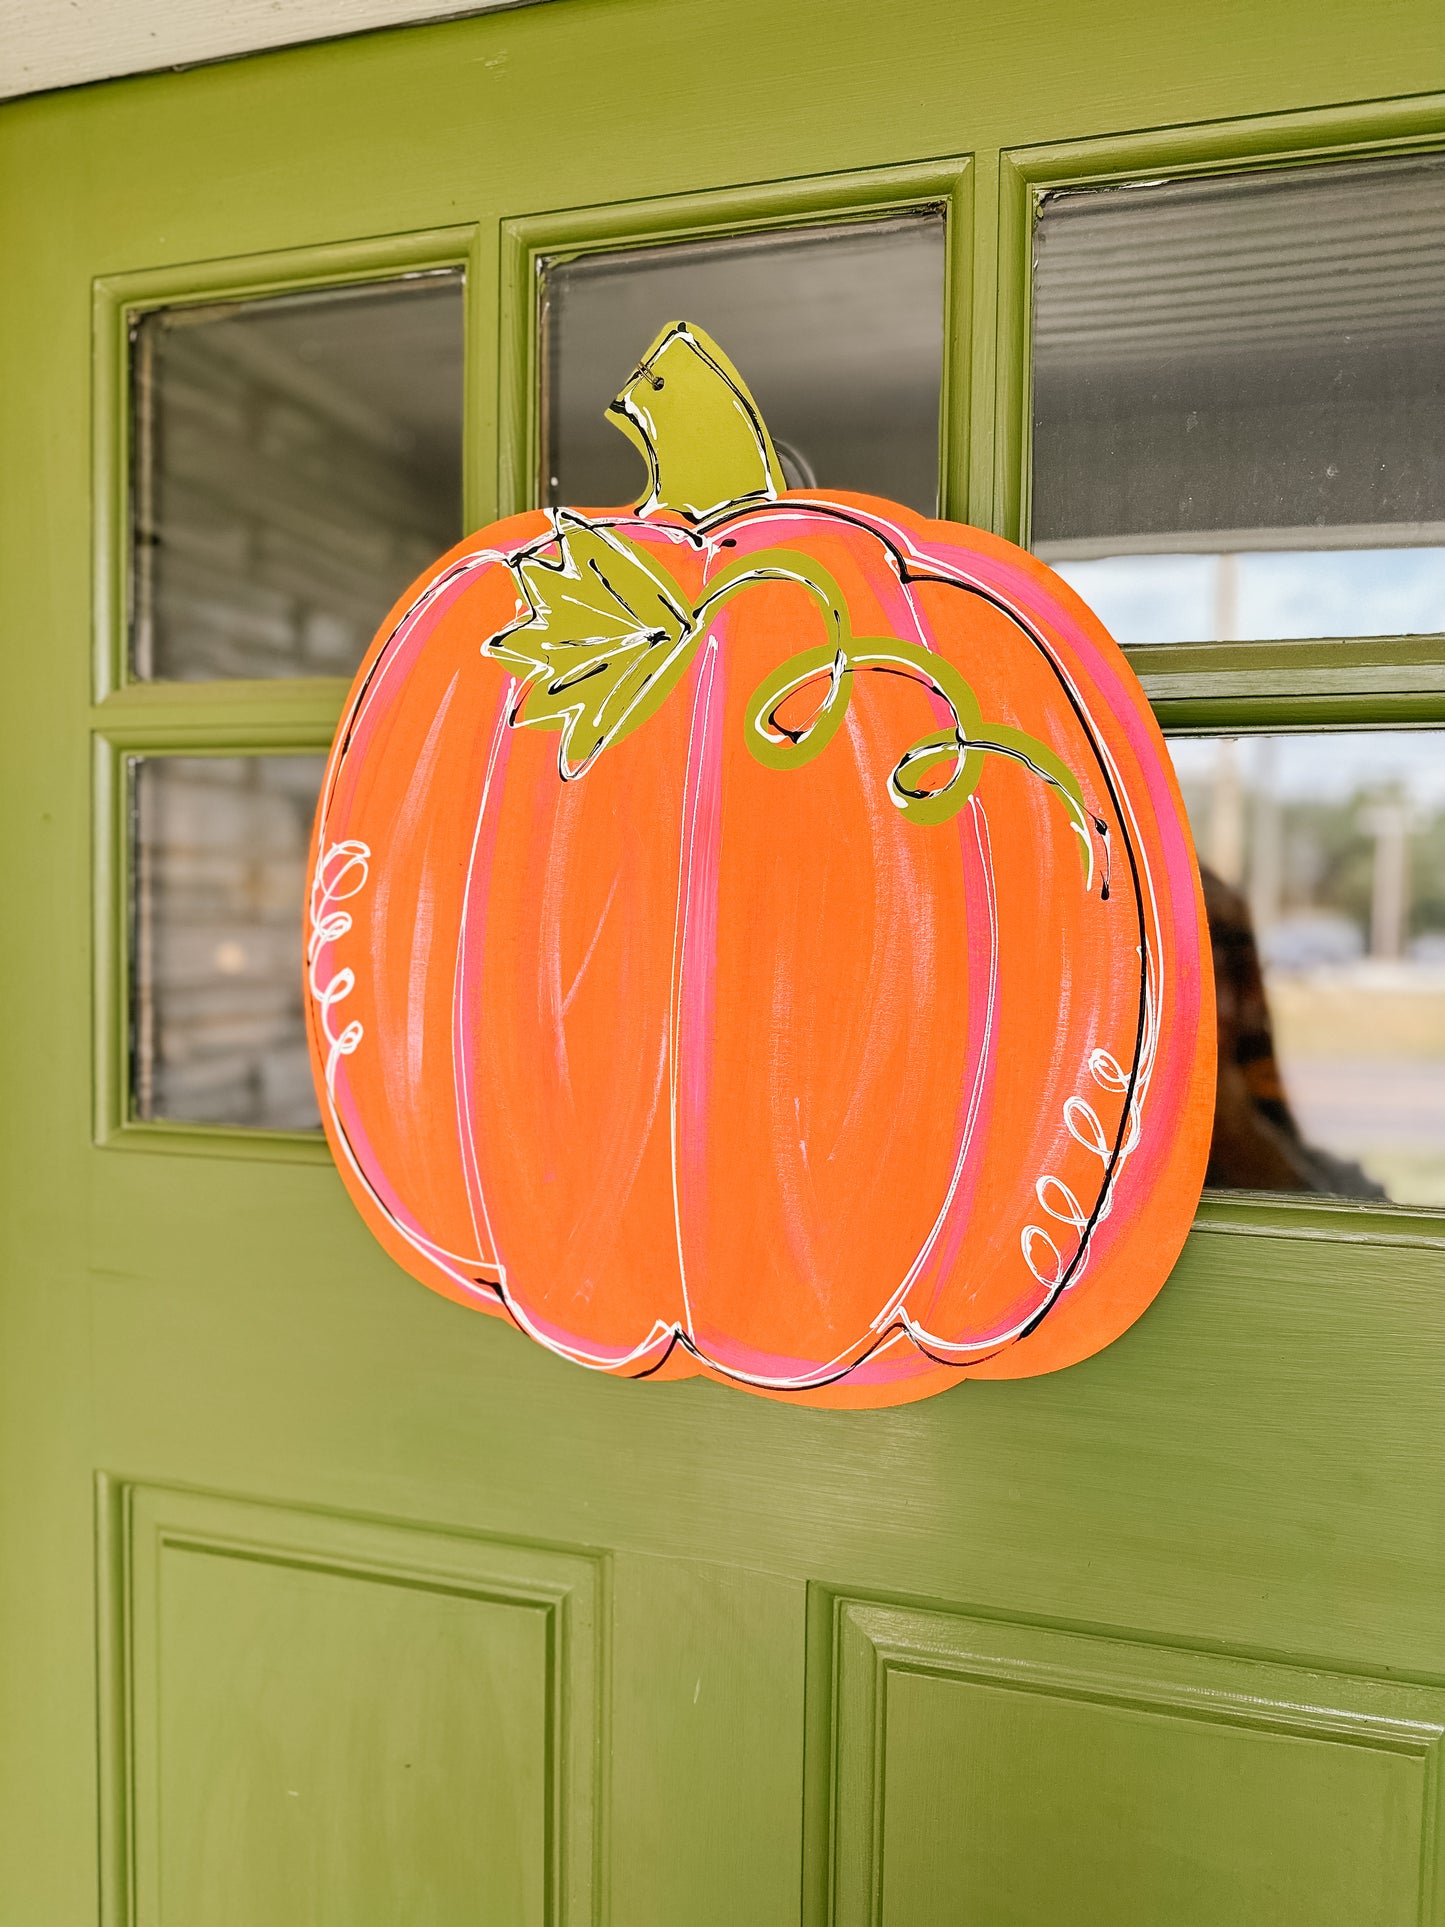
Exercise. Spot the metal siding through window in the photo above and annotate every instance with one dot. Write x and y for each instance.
(298, 462)
(219, 867)
(1239, 402)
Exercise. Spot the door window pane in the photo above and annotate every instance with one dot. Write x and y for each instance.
(1324, 860)
(837, 331)
(1239, 402)
(219, 865)
(298, 462)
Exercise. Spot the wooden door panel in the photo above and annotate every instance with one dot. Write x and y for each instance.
(332, 1720)
(985, 1770)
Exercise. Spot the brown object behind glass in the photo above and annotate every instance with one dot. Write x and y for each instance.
(1257, 1144)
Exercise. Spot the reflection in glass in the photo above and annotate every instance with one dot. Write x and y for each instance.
(1239, 401)
(298, 462)
(219, 866)
(1324, 859)
(837, 331)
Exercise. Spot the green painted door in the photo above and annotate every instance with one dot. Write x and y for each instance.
(325, 1602)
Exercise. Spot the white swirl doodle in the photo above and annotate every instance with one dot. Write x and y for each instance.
(341, 872)
(1086, 1128)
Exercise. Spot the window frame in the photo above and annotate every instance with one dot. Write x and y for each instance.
(1229, 688)
(1221, 686)
(991, 199)
(130, 717)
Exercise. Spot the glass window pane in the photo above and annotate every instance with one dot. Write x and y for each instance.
(219, 865)
(1239, 402)
(1324, 859)
(837, 331)
(298, 461)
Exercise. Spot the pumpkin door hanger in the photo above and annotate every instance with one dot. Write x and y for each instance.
(756, 933)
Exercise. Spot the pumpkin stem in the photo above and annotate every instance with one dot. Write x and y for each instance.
(689, 411)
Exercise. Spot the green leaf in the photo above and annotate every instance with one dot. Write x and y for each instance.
(605, 637)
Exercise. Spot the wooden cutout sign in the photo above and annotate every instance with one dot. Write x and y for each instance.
(757, 933)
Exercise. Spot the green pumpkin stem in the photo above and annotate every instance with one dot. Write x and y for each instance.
(705, 443)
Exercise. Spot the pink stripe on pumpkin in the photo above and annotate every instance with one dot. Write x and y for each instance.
(933, 1269)
(695, 994)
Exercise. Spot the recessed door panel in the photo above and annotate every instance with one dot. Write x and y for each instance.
(332, 1721)
(996, 1773)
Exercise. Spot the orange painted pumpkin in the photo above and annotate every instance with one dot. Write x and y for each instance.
(757, 933)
